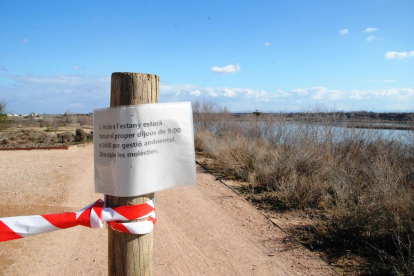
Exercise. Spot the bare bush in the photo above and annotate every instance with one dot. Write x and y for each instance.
(45, 122)
(85, 120)
(29, 122)
(55, 124)
(209, 115)
(70, 117)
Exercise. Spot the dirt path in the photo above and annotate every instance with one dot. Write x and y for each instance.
(202, 230)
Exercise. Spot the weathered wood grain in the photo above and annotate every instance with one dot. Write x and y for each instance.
(131, 254)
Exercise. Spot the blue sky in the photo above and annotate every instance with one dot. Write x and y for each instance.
(268, 55)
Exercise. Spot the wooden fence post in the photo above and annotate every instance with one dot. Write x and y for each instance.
(131, 254)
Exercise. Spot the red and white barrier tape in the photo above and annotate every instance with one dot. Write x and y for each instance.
(91, 216)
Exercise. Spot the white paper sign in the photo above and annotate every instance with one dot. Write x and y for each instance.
(140, 149)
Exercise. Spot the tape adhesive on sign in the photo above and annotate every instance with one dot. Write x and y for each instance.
(92, 216)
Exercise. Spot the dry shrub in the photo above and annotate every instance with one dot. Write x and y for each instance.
(66, 137)
(360, 182)
(29, 122)
(85, 120)
(70, 117)
(4, 120)
(28, 137)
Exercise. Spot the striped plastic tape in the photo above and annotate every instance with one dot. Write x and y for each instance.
(92, 216)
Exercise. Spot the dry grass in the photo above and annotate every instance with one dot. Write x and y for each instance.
(44, 132)
(357, 184)
(26, 138)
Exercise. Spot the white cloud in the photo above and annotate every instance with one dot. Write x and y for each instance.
(267, 44)
(369, 30)
(76, 67)
(401, 94)
(318, 93)
(323, 93)
(247, 99)
(313, 95)
(344, 31)
(213, 94)
(390, 55)
(80, 93)
(229, 93)
(56, 93)
(187, 91)
(229, 69)
(172, 88)
(300, 91)
(399, 55)
(25, 40)
(195, 92)
(355, 94)
(372, 38)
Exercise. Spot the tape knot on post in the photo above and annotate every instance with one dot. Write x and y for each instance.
(93, 216)
(131, 212)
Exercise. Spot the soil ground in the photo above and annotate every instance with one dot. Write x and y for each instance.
(201, 230)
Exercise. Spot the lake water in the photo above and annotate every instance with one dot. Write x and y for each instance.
(335, 133)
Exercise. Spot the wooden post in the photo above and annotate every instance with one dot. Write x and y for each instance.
(131, 254)
(257, 113)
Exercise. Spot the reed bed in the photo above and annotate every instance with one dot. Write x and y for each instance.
(357, 185)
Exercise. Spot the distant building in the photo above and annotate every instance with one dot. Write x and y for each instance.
(257, 113)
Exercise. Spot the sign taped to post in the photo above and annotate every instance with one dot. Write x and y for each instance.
(141, 149)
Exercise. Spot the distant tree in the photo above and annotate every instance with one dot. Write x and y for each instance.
(55, 124)
(4, 121)
(3, 106)
(47, 121)
(18, 121)
(29, 122)
(70, 117)
(84, 120)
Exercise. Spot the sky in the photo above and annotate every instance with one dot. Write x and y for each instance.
(274, 56)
